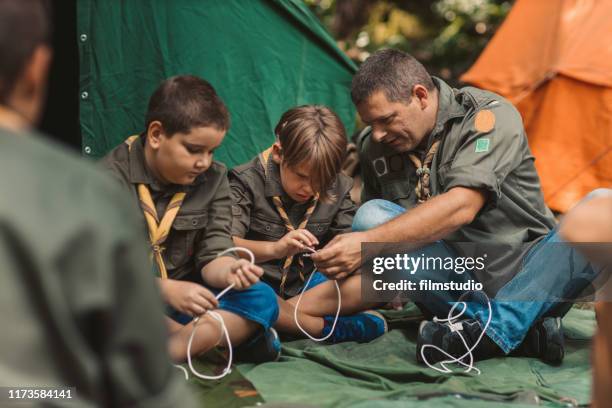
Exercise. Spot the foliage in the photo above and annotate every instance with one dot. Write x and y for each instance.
(445, 35)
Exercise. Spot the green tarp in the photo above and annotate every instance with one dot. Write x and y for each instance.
(384, 374)
(262, 56)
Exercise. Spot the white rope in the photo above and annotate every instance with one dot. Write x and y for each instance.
(219, 318)
(297, 305)
(457, 327)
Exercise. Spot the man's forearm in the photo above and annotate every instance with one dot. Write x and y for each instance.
(432, 220)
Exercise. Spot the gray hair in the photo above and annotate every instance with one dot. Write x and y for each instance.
(392, 71)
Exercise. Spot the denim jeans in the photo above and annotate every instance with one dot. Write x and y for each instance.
(552, 270)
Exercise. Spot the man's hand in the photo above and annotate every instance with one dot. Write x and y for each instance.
(188, 297)
(295, 242)
(341, 256)
(242, 274)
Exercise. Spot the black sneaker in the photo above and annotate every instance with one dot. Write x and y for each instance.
(262, 348)
(441, 335)
(544, 340)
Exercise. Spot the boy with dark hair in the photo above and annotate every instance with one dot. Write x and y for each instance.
(71, 255)
(292, 198)
(184, 195)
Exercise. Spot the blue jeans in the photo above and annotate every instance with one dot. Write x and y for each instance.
(256, 303)
(551, 270)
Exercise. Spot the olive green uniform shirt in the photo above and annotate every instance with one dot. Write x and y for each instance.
(256, 217)
(474, 153)
(202, 226)
(79, 308)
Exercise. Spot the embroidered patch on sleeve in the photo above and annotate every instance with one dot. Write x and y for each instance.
(484, 121)
(482, 145)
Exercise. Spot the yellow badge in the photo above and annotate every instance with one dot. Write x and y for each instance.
(484, 121)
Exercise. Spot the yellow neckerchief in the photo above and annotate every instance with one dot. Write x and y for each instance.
(278, 203)
(423, 190)
(158, 230)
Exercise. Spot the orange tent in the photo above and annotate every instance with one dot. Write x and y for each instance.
(553, 60)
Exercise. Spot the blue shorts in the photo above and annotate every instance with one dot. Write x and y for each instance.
(257, 304)
(317, 279)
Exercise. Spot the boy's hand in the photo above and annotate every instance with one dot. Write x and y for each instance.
(294, 242)
(189, 297)
(243, 274)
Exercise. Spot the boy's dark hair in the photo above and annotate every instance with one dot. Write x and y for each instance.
(24, 25)
(313, 134)
(183, 102)
(391, 71)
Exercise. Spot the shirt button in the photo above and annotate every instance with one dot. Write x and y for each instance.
(267, 228)
(194, 222)
(87, 149)
(84, 95)
(319, 228)
(83, 37)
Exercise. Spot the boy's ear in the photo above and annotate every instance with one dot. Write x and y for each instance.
(155, 132)
(277, 152)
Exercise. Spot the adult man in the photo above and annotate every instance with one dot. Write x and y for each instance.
(459, 161)
(79, 308)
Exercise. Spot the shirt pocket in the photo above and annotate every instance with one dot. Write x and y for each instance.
(185, 229)
(318, 229)
(400, 193)
(268, 230)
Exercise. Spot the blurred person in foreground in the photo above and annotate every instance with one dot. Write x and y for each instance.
(78, 306)
(589, 227)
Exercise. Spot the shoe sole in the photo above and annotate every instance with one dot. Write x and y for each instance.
(380, 316)
(276, 338)
(419, 345)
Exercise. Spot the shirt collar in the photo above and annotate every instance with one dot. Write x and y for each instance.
(273, 185)
(448, 106)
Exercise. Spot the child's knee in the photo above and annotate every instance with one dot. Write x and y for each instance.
(599, 192)
(375, 212)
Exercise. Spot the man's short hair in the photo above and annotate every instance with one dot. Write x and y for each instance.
(184, 102)
(24, 25)
(313, 134)
(392, 71)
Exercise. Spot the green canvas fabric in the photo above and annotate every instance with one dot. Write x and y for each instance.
(384, 373)
(231, 391)
(262, 56)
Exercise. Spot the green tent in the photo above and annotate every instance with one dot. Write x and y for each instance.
(262, 56)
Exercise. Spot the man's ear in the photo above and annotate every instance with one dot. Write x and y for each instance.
(277, 152)
(422, 96)
(155, 133)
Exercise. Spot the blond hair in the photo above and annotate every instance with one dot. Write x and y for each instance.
(313, 134)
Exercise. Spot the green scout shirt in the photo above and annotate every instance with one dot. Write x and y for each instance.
(496, 160)
(79, 308)
(202, 226)
(256, 217)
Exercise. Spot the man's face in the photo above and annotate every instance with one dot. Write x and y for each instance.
(402, 126)
(296, 181)
(181, 158)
